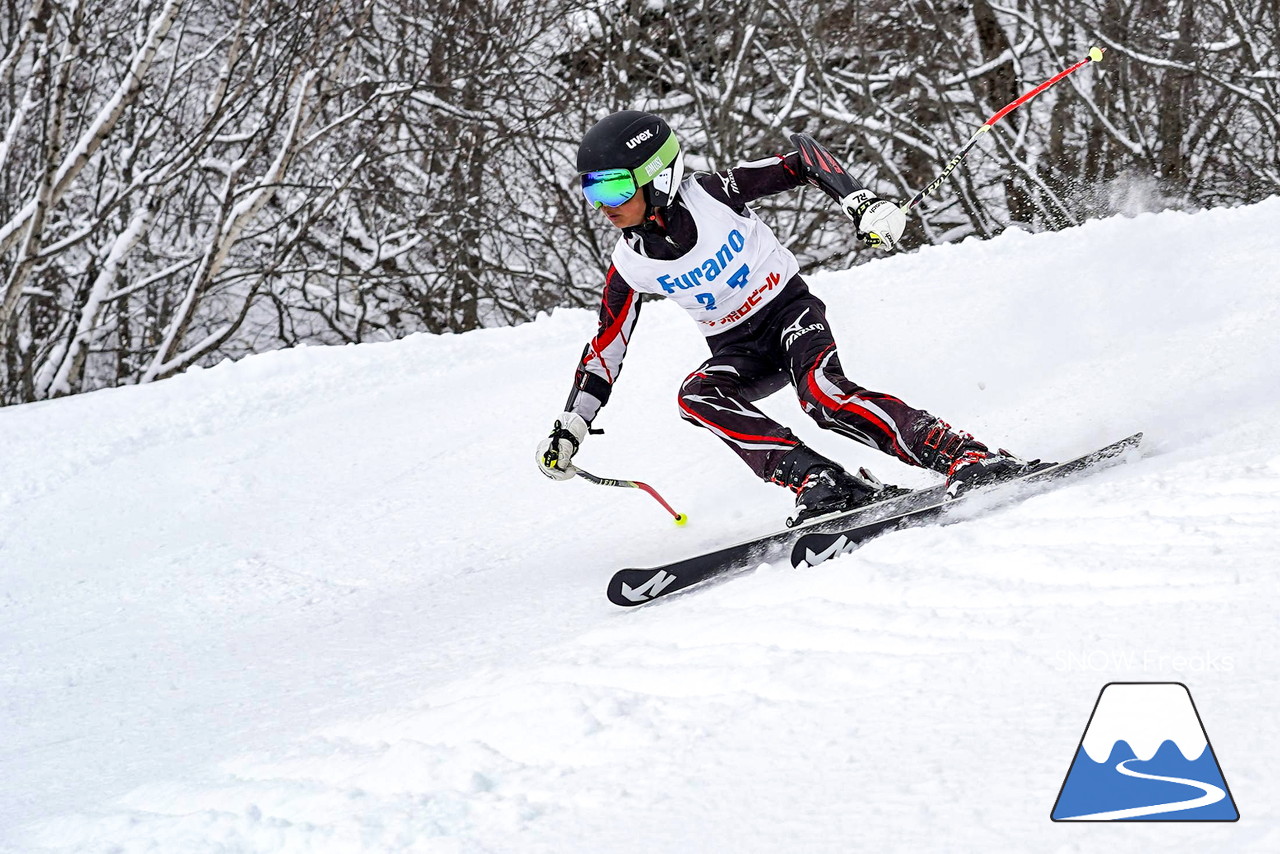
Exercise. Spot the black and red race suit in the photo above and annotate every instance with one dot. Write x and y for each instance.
(788, 341)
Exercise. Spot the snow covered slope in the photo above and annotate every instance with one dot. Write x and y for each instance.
(321, 600)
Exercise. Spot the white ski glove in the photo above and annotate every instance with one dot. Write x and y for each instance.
(879, 223)
(555, 453)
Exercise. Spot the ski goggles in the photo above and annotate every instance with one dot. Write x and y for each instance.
(610, 187)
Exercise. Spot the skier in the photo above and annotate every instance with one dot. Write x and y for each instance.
(696, 241)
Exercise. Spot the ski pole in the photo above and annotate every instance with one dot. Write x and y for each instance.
(1095, 55)
(630, 484)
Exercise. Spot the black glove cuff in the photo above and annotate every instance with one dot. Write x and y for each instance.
(862, 208)
(559, 432)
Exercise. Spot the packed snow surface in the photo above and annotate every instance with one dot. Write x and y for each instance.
(322, 600)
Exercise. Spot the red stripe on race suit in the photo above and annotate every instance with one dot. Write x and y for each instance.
(744, 437)
(605, 338)
(835, 405)
(619, 320)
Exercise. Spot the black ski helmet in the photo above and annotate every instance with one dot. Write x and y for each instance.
(641, 143)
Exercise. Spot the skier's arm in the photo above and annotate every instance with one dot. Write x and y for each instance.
(598, 368)
(601, 360)
(879, 223)
(741, 185)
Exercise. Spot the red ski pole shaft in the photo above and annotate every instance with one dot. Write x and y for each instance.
(1095, 55)
(630, 484)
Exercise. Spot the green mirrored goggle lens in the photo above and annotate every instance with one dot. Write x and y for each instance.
(609, 187)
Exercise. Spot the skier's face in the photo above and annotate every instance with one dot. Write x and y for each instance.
(628, 214)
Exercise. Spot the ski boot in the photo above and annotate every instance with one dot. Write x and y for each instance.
(967, 463)
(824, 488)
(976, 469)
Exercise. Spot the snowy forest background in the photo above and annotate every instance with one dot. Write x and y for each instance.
(183, 182)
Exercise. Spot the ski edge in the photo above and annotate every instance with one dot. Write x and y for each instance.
(824, 545)
(662, 581)
(744, 555)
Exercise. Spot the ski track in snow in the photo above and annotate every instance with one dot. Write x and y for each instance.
(321, 600)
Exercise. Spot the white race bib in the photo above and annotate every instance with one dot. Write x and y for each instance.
(736, 267)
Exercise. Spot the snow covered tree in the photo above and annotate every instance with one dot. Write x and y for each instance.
(182, 183)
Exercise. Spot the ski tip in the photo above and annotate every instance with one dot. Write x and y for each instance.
(681, 520)
(1095, 53)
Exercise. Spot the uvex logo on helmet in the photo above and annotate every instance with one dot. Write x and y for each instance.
(639, 138)
(641, 143)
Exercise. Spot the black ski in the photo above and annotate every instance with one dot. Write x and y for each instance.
(636, 586)
(814, 547)
(630, 587)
